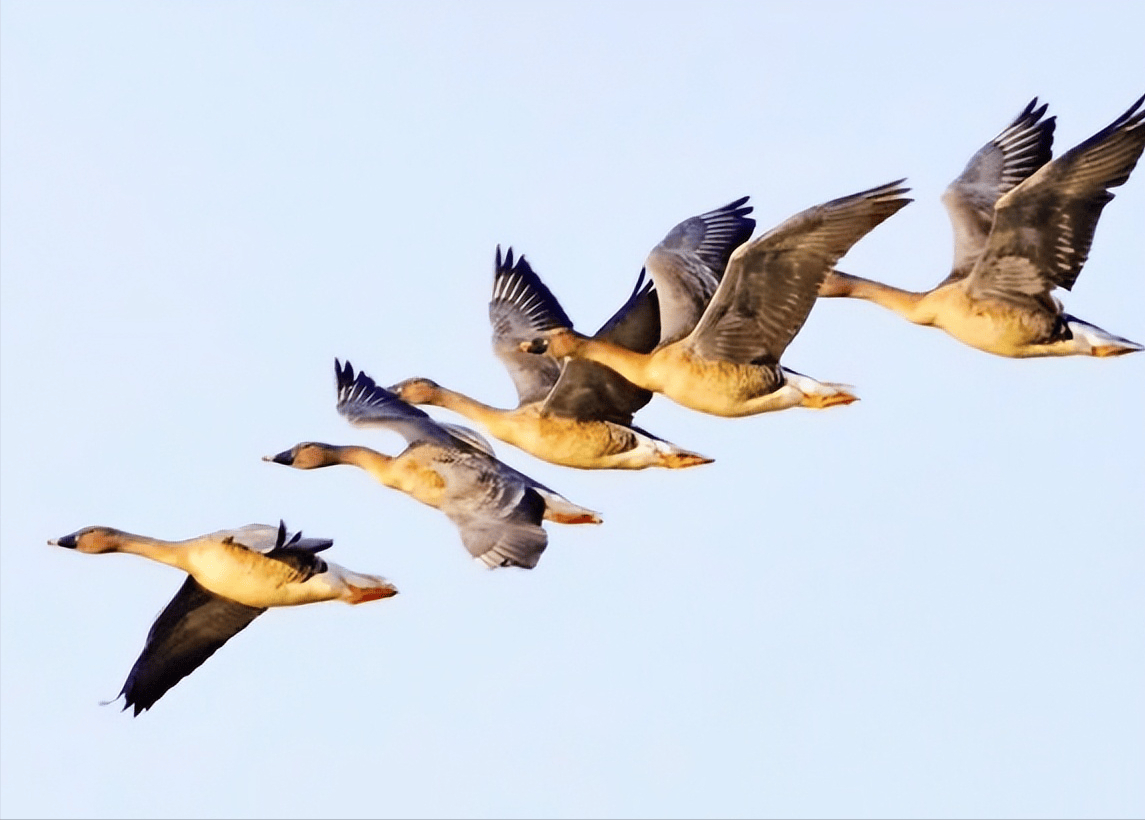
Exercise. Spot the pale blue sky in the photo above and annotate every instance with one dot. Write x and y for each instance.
(926, 603)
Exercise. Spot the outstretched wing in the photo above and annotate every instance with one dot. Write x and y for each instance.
(364, 403)
(1044, 227)
(772, 283)
(1024, 146)
(187, 632)
(520, 310)
(688, 263)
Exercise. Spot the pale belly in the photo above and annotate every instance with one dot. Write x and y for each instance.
(991, 326)
(573, 443)
(991, 334)
(724, 389)
(254, 580)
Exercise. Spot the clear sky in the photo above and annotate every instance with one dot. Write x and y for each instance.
(929, 602)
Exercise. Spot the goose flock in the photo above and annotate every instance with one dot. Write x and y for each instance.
(706, 325)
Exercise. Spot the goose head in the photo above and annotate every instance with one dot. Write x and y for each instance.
(307, 455)
(92, 540)
(557, 343)
(416, 391)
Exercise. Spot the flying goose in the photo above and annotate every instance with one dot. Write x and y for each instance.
(1023, 226)
(728, 363)
(497, 509)
(579, 413)
(233, 576)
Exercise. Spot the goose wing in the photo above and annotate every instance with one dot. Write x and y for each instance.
(502, 528)
(277, 544)
(298, 553)
(521, 309)
(587, 390)
(497, 510)
(772, 282)
(364, 403)
(264, 538)
(1044, 227)
(688, 263)
(1024, 146)
(255, 537)
(188, 631)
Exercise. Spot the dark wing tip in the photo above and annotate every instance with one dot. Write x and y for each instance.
(348, 380)
(644, 284)
(502, 264)
(509, 264)
(1133, 108)
(1031, 115)
(343, 373)
(1131, 119)
(736, 207)
(360, 388)
(127, 701)
(1032, 111)
(894, 189)
(137, 706)
(135, 699)
(519, 292)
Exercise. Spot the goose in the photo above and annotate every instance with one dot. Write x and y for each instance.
(233, 576)
(1023, 226)
(497, 509)
(579, 414)
(727, 364)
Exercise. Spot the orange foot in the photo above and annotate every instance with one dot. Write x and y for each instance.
(678, 461)
(1106, 351)
(360, 595)
(820, 402)
(573, 518)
